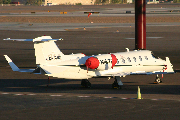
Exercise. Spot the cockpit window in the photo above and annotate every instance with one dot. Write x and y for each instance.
(154, 55)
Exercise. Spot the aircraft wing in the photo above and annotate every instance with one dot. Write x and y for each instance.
(122, 74)
(15, 68)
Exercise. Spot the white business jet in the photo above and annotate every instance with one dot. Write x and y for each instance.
(52, 62)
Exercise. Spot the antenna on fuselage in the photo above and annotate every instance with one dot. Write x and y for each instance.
(127, 49)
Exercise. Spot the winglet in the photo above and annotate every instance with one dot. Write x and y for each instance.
(13, 66)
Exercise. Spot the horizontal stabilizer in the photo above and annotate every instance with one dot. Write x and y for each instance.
(42, 38)
(14, 67)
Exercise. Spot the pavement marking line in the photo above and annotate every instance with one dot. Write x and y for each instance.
(108, 97)
(31, 94)
(153, 99)
(5, 93)
(18, 94)
(154, 37)
(55, 95)
(156, 99)
(124, 98)
(84, 96)
(130, 38)
(127, 98)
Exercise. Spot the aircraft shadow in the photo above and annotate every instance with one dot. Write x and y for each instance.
(73, 86)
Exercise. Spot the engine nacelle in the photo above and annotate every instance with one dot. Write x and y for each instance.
(101, 62)
(92, 63)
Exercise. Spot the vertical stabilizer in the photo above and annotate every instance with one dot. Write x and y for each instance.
(47, 52)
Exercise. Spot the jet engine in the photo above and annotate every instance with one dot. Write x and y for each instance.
(92, 63)
(101, 62)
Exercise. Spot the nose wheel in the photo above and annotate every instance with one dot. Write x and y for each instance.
(85, 83)
(157, 80)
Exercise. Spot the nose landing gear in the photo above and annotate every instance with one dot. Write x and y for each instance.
(157, 80)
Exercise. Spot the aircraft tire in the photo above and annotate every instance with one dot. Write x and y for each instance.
(116, 86)
(85, 83)
(158, 80)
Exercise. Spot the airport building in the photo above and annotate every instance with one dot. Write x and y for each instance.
(69, 2)
(79, 2)
(90, 2)
(83, 2)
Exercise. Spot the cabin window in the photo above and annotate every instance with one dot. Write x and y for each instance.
(123, 60)
(140, 58)
(129, 59)
(146, 57)
(134, 59)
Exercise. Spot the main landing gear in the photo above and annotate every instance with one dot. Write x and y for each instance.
(85, 83)
(117, 83)
(157, 80)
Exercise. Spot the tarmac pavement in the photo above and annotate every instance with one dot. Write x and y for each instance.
(26, 96)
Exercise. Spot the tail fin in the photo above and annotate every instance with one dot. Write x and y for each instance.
(46, 50)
